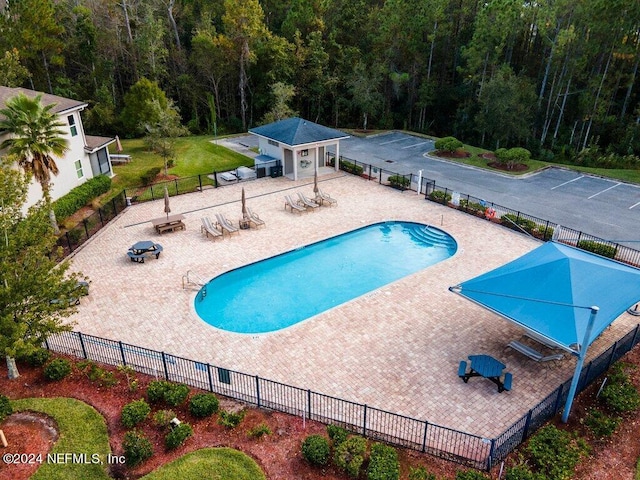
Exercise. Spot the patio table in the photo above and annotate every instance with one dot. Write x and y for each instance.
(488, 367)
(142, 249)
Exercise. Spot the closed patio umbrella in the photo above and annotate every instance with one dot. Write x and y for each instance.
(118, 144)
(167, 207)
(244, 206)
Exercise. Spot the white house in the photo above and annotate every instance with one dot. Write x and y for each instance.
(87, 156)
(297, 145)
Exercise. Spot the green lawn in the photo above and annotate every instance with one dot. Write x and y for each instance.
(82, 430)
(195, 155)
(210, 463)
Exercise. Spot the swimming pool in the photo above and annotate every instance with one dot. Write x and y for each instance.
(283, 290)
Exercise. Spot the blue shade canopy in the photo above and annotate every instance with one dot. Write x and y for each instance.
(550, 291)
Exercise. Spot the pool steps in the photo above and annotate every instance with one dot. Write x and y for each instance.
(432, 237)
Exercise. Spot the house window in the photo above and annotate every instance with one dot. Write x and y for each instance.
(72, 125)
(79, 171)
(304, 153)
(274, 143)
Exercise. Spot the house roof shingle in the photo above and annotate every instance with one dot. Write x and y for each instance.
(61, 104)
(297, 131)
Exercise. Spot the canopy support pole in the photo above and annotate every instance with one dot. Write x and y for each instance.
(581, 356)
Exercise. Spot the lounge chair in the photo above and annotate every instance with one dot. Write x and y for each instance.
(254, 218)
(532, 353)
(323, 198)
(293, 206)
(209, 229)
(306, 202)
(225, 225)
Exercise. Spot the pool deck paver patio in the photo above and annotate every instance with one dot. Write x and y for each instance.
(396, 348)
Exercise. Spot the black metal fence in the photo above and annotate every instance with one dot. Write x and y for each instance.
(421, 435)
(505, 216)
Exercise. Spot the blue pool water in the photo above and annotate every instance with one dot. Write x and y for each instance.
(281, 291)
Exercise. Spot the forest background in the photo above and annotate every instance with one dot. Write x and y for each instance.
(558, 77)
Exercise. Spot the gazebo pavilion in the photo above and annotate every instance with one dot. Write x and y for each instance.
(298, 145)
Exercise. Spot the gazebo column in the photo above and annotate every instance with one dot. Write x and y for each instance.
(337, 162)
(317, 160)
(295, 164)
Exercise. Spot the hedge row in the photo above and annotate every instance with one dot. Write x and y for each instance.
(78, 197)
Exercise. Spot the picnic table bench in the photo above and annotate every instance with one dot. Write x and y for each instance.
(169, 224)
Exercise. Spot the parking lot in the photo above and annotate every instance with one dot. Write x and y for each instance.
(606, 208)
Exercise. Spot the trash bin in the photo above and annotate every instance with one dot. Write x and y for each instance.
(276, 171)
(261, 172)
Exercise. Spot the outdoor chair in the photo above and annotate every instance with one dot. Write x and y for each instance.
(306, 202)
(225, 225)
(293, 206)
(254, 218)
(532, 353)
(209, 229)
(323, 198)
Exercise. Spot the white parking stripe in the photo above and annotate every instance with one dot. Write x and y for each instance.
(415, 145)
(634, 205)
(392, 141)
(577, 178)
(602, 191)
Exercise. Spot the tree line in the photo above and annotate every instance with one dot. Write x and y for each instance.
(558, 77)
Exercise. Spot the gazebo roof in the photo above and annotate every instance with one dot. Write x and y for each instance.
(297, 131)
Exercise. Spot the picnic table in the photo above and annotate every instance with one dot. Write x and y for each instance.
(143, 249)
(169, 223)
(488, 367)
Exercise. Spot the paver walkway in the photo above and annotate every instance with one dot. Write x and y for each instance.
(396, 348)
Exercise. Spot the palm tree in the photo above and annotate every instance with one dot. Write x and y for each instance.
(35, 137)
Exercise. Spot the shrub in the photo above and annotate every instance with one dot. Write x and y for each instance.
(96, 374)
(162, 417)
(472, 207)
(513, 156)
(36, 358)
(5, 407)
(79, 196)
(137, 448)
(315, 450)
(57, 369)
(399, 181)
(620, 397)
(470, 475)
(337, 434)
(349, 455)
(130, 374)
(440, 197)
(259, 431)
(134, 412)
(351, 167)
(203, 405)
(156, 390)
(522, 472)
(172, 393)
(383, 464)
(448, 144)
(178, 435)
(554, 453)
(420, 473)
(603, 249)
(149, 176)
(600, 424)
(230, 419)
(176, 394)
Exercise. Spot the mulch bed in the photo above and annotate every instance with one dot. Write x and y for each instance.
(278, 454)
